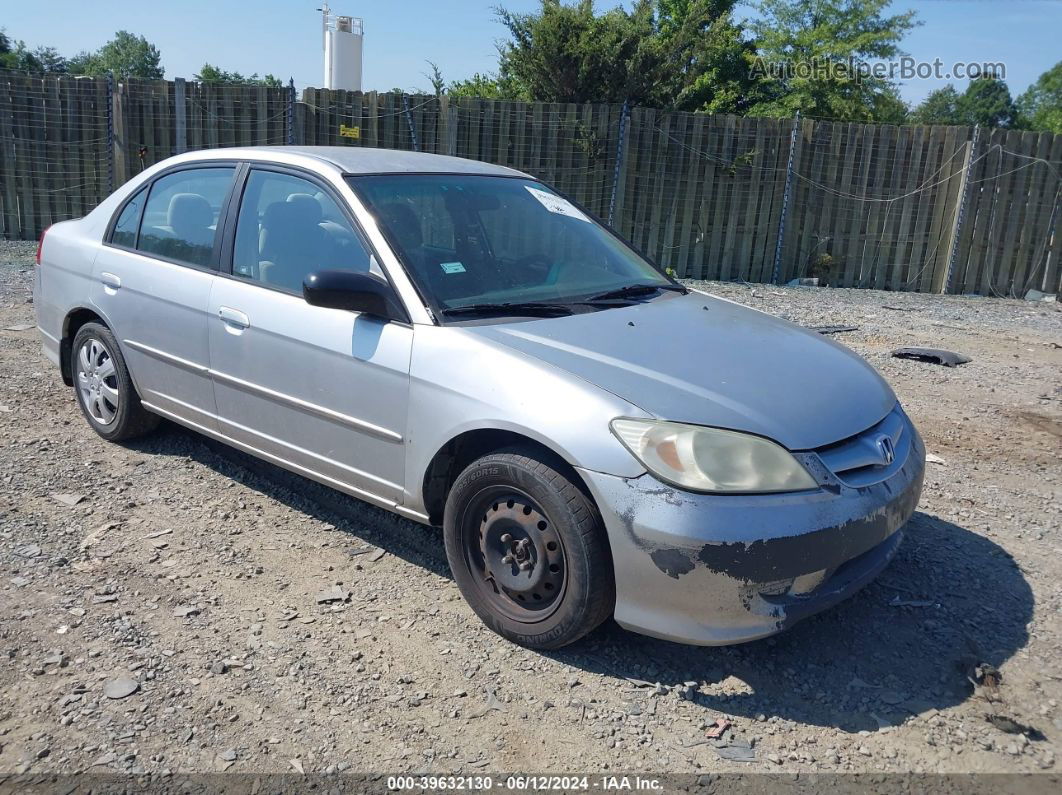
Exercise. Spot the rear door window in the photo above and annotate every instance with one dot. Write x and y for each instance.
(181, 214)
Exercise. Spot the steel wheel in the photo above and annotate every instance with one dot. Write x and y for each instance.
(528, 549)
(97, 381)
(515, 554)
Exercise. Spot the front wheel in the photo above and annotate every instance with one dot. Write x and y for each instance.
(104, 390)
(528, 550)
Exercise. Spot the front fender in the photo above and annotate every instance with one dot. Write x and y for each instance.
(460, 383)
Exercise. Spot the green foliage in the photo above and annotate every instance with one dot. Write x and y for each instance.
(214, 76)
(679, 54)
(827, 46)
(887, 107)
(1040, 107)
(986, 102)
(80, 63)
(16, 55)
(49, 60)
(705, 57)
(940, 107)
(438, 84)
(126, 55)
(568, 53)
(488, 86)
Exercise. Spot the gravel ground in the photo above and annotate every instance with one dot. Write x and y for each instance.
(159, 604)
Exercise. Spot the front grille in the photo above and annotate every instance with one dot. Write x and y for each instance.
(863, 459)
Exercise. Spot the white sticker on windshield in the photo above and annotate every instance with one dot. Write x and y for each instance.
(556, 204)
(452, 267)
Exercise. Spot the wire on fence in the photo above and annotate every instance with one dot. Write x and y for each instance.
(706, 196)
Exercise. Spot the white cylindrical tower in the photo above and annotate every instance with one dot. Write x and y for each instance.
(343, 37)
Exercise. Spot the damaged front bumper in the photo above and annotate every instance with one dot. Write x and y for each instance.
(719, 569)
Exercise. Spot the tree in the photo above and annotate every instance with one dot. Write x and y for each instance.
(126, 55)
(939, 107)
(213, 75)
(49, 60)
(488, 86)
(816, 56)
(987, 102)
(888, 107)
(683, 54)
(567, 53)
(705, 57)
(1040, 107)
(7, 50)
(80, 64)
(16, 55)
(438, 84)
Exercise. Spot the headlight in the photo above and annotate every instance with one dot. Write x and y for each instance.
(709, 459)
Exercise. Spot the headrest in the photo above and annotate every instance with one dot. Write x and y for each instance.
(310, 205)
(189, 211)
(291, 215)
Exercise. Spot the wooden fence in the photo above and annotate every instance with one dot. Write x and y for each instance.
(932, 209)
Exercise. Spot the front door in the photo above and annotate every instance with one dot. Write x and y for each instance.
(324, 391)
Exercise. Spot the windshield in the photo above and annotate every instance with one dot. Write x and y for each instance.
(477, 240)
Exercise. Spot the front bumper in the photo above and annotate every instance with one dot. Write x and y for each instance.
(713, 570)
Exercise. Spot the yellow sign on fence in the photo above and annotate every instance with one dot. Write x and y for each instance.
(349, 132)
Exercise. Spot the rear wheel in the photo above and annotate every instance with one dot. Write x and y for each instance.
(528, 550)
(103, 387)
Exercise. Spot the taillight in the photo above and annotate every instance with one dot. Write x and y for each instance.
(40, 244)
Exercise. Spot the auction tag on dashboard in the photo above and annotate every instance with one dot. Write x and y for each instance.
(452, 267)
(556, 204)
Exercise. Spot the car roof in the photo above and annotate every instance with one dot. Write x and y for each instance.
(356, 159)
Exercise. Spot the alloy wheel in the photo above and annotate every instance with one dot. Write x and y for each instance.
(97, 381)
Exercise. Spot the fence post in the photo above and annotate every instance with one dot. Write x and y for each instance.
(409, 120)
(1050, 242)
(179, 116)
(121, 167)
(110, 132)
(451, 129)
(777, 275)
(621, 146)
(291, 111)
(960, 212)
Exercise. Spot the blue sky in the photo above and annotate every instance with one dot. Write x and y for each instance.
(284, 36)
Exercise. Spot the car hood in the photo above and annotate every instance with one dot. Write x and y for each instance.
(709, 361)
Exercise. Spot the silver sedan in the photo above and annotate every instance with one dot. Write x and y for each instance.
(461, 344)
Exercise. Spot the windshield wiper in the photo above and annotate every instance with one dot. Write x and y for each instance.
(631, 290)
(510, 308)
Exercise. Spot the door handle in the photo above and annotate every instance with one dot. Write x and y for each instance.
(233, 317)
(110, 280)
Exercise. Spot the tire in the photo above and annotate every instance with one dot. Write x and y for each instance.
(103, 388)
(528, 550)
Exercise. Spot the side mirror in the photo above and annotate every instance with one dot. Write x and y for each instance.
(356, 292)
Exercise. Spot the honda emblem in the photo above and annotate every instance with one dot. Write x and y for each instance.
(888, 454)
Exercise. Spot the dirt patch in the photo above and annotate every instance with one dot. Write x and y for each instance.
(1041, 422)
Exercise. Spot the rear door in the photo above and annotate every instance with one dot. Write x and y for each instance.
(152, 283)
(322, 390)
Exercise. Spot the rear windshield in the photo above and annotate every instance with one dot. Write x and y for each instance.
(475, 239)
